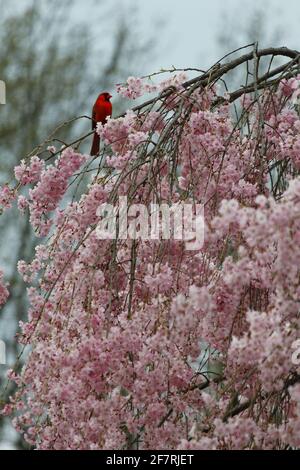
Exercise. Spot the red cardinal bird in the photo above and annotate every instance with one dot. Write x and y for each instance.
(101, 109)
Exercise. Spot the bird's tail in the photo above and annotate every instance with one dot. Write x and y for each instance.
(95, 144)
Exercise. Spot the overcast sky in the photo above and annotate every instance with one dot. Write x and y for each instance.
(190, 26)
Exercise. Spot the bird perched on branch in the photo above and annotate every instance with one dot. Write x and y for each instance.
(101, 110)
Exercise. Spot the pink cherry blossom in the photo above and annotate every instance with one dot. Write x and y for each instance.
(142, 344)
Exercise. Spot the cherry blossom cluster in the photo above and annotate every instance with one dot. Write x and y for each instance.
(7, 196)
(136, 87)
(51, 185)
(142, 344)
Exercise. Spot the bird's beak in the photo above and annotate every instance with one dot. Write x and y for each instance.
(110, 96)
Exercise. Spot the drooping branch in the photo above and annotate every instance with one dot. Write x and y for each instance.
(138, 324)
(206, 79)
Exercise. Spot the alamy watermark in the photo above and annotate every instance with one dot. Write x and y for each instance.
(2, 352)
(2, 92)
(179, 221)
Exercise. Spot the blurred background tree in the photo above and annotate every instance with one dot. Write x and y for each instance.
(54, 66)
